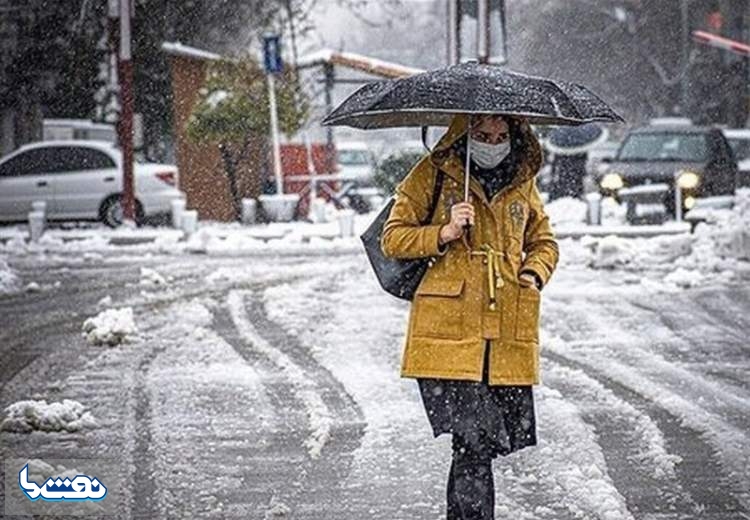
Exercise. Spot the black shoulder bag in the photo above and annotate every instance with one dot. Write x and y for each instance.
(398, 276)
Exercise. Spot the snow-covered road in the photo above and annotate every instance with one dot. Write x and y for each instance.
(266, 386)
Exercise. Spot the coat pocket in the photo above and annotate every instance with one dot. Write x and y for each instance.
(527, 314)
(439, 309)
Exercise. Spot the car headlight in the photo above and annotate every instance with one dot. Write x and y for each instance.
(687, 180)
(611, 181)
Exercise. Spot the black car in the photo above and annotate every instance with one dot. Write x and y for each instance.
(654, 162)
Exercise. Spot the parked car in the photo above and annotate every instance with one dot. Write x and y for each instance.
(80, 180)
(355, 163)
(655, 161)
(739, 140)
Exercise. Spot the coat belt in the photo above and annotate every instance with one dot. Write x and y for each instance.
(494, 278)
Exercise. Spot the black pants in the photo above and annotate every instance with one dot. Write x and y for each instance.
(471, 484)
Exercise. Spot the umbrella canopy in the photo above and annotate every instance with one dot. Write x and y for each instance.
(575, 140)
(432, 98)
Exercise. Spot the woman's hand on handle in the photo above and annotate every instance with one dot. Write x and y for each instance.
(460, 214)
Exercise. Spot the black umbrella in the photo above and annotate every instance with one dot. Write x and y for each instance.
(574, 140)
(432, 98)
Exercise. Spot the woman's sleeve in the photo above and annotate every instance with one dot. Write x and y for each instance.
(540, 245)
(403, 235)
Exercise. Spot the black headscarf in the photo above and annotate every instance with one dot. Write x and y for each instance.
(494, 179)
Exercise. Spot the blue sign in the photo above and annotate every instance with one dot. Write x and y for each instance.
(272, 54)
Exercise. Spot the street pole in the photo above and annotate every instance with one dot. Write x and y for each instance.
(483, 31)
(685, 58)
(310, 170)
(275, 133)
(452, 51)
(330, 82)
(125, 127)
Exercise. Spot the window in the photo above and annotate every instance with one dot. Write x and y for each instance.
(664, 147)
(741, 148)
(354, 157)
(75, 159)
(32, 162)
(56, 159)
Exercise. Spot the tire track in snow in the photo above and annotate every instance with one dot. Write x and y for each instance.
(700, 422)
(336, 423)
(306, 390)
(699, 471)
(634, 447)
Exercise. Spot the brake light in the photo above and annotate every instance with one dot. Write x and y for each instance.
(166, 177)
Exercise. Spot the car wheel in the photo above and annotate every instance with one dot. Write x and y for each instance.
(111, 212)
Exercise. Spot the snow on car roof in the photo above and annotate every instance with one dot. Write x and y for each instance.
(737, 133)
(671, 129)
(87, 143)
(352, 145)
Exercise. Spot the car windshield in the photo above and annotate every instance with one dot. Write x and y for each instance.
(664, 147)
(354, 157)
(741, 148)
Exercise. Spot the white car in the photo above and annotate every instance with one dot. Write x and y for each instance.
(739, 140)
(80, 180)
(355, 163)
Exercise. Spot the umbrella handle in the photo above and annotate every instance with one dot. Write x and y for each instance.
(466, 236)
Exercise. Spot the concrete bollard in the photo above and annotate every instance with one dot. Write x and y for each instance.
(346, 222)
(178, 206)
(249, 211)
(318, 210)
(36, 225)
(594, 213)
(189, 222)
(39, 205)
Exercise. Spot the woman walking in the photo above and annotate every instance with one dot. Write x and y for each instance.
(472, 341)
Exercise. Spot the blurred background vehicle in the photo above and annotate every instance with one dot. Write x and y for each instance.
(739, 141)
(355, 163)
(78, 129)
(81, 180)
(656, 160)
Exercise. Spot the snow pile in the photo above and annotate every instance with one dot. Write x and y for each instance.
(613, 213)
(28, 416)
(110, 327)
(718, 249)
(151, 277)
(566, 210)
(32, 287)
(725, 235)
(277, 510)
(684, 278)
(612, 251)
(8, 280)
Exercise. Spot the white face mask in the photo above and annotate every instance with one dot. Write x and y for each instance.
(489, 155)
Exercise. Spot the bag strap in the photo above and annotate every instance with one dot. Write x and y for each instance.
(435, 196)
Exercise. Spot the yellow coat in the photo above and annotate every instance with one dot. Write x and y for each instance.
(450, 317)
